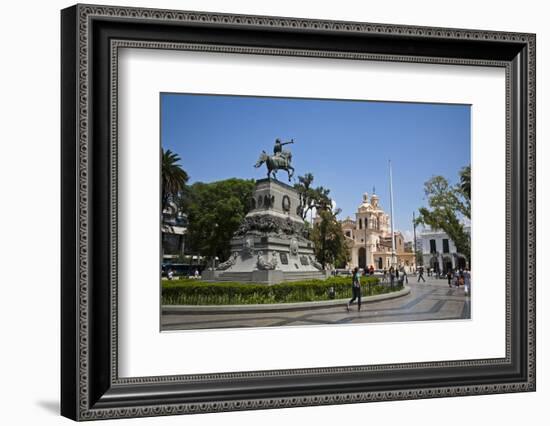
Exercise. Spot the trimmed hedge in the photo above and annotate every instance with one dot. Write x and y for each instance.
(195, 292)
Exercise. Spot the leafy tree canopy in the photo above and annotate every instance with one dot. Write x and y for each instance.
(329, 240)
(214, 212)
(448, 206)
(326, 233)
(310, 197)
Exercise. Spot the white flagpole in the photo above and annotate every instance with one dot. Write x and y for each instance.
(393, 257)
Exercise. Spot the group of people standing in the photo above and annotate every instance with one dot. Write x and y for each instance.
(457, 277)
(395, 274)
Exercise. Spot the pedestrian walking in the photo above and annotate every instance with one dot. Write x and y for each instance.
(404, 273)
(392, 276)
(356, 289)
(467, 281)
(449, 277)
(421, 274)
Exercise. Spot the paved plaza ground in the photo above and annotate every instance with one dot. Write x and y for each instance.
(433, 300)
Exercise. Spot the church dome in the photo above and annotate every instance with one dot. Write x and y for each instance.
(374, 200)
(366, 204)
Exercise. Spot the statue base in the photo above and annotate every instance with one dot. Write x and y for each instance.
(272, 244)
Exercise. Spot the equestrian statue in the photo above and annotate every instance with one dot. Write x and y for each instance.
(280, 160)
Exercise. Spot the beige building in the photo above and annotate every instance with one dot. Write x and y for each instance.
(369, 237)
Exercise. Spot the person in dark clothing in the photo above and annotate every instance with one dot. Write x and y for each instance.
(356, 289)
(421, 274)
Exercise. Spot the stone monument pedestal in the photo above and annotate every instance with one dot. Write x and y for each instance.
(272, 244)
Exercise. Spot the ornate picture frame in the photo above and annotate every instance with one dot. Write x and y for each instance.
(91, 387)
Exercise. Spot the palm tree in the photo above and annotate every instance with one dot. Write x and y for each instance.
(174, 177)
(465, 181)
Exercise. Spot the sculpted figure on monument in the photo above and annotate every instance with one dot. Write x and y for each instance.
(278, 150)
(228, 263)
(272, 225)
(280, 160)
(248, 247)
(315, 264)
(293, 247)
(266, 265)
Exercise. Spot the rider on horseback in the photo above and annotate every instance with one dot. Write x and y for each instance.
(280, 160)
(279, 152)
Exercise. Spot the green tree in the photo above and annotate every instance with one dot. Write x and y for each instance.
(310, 197)
(215, 211)
(419, 257)
(329, 240)
(448, 205)
(465, 187)
(174, 178)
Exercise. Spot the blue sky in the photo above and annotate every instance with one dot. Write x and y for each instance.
(345, 144)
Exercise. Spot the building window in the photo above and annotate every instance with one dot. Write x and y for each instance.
(348, 234)
(445, 245)
(360, 224)
(432, 246)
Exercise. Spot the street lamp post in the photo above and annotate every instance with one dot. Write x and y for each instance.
(214, 247)
(414, 241)
(366, 257)
(393, 255)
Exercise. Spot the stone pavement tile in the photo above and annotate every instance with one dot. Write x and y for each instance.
(452, 308)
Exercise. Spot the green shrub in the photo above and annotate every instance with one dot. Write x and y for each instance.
(195, 292)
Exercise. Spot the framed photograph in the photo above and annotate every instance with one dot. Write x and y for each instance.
(263, 212)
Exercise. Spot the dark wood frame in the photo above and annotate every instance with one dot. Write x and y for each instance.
(90, 386)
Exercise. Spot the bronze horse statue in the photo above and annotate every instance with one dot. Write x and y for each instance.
(276, 162)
